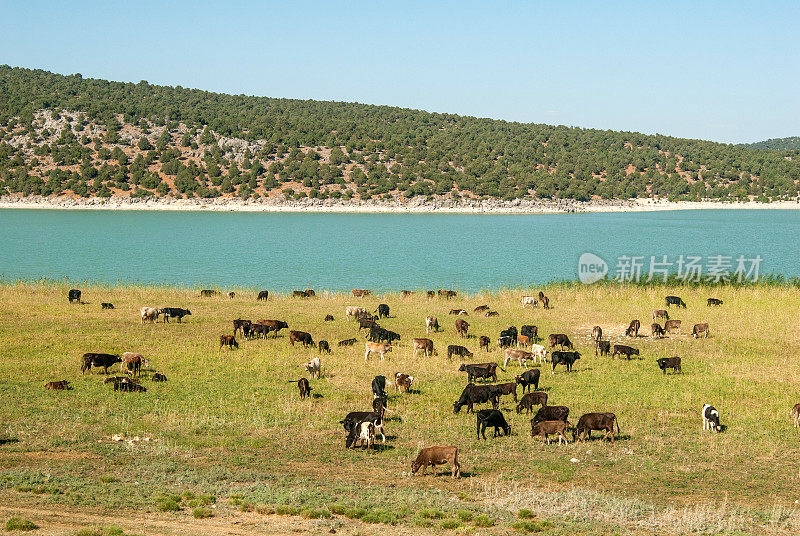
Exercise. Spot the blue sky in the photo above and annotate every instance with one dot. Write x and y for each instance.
(725, 71)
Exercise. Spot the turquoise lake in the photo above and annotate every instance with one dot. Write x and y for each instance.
(284, 251)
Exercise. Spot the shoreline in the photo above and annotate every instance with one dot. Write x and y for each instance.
(418, 206)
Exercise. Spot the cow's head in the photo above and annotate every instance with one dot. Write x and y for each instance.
(462, 368)
(456, 407)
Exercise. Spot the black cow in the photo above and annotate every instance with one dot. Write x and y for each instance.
(158, 377)
(551, 413)
(531, 332)
(175, 312)
(263, 295)
(604, 347)
(304, 387)
(379, 387)
(348, 342)
(323, 346)
(239, 325)
(328, 318)
(627, 351)
(493, 418)
(383, 310)
(379, 334)
(714, 302)
(476, 394)
(564, 358)
(511, 333)
(479, 370)
(207, 293)
(106, 305)
(674, 300)
(532, 399)
(528, 378)
(352, 421)
(673, 363)
(455, 349)
(505, 342)
(364, 323)
(74, 295)
(256, 330)
(483, 342)
(595, 421)
(103, 361)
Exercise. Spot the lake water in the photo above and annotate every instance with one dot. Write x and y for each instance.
(378, 251)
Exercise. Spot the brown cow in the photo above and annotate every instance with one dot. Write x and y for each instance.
(483, 342)
(360, 292)
(302, 337)
(595, 421)
(529, 400)
(402, 381)
(132, 363)
(462, 326)
(426, 345)
(304, 388)
(670, 325)
(795, 414)
(520, 356)
(434, 456)
(509, 388)
(699, 329)
(560, 339)
(604, 347)
(633, 329)
(661, 313)
(523, 340)
(547, 428)
(627, 351)
(62, 385)
(656, 330)
(459, 312)
(407, 292)
(597, 333)
(431, 324)
(229, 341)
(480, 308)
(377, 348)
(274, 325)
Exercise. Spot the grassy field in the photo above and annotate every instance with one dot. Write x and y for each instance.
(229, 436)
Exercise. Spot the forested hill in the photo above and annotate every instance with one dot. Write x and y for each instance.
(67, 135)
(777, 144)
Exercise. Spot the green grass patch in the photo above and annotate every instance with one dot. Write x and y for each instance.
(202, 512)
(20, 523)
(483, 521)
(530, 526)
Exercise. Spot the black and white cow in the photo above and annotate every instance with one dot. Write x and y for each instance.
(379, 387)
(710, 417)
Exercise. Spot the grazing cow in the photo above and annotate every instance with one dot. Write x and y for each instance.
(670, 325)
(256, 330)
(523, 340)
(493, 418)
(407, 292)
(348, 342)
(132, 363)
(402, 381)
(106, 305)
(633, 329)
(545, 300)
(459, 312)
(674, 300)
(528, 400)
(661, 313)
(431, 323)
(532, 332)
(547, 428)
(462, 326)
(480, 308)
(383, 310)
(603, 422)
(127, 385)
(604, 347)
(304, 387)
(447, 294)
(366, 434)
(539, 353)
(561, 340)
(299, 294)
(207, 293)
(353, 419)
(263, 295)
(323, 346)
(673, 363)
(483, 342)
(426, 345)
(74, 295)
(795, 414)
(309, 292)
(328, 318)
(379, 387)
(62, 385)
(434, 456)
(103, 361)
(352, 312)
(231, 294)
(509, 388)
(479, 370)
(710, 417)
(379, 334)
(714, 302)
(455, 349)
(229, 341)
(505, 342)
(367, 324)
(314, 367)
(239, 325)
(149, 313)
(657, 331)
(303, 337)
(520, 356)
(700, 329)
(476, 394)
(492, 313)
(564, 358)
(360, 292)
(597, 333)
(627, 351)
(379, 405)
(431, 293)
(510, 332)
(528, 300)
(158, 377)
(174, 312)
(528, 378)
(377, 348)
(551, 413)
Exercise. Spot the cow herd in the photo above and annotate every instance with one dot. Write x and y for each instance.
(519, 347)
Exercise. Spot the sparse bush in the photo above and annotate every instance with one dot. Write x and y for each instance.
(531, 526)
(20, 523)
(202, 512)
(449, 524)
(483, 521)
(465, 515)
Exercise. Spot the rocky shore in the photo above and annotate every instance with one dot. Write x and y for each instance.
(416, 205)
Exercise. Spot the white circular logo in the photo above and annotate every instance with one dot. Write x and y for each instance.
(591, 268)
